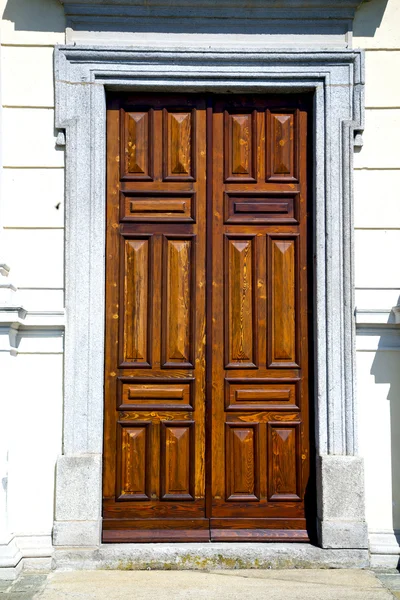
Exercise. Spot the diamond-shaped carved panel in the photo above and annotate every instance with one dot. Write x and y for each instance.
(240, 147)
(133, 461)
(242, 462)
(177, 460)
(137, 146)
(282, 160)
(283, 461)
(179, 146)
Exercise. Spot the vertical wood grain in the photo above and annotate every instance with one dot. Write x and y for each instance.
(137, 145)
(136, 301)
(154, 436)
(283, 453)
(177, 454)
(179, 141)
(259, 208)
(253, 443)
(283, 300)
(177, 317)
(242, 462)
(133, 461)
(283, 146)
(240, 146)
(240, 326)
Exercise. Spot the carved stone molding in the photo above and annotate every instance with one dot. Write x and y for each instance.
(83, 76)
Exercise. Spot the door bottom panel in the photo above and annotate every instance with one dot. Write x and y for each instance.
(155, 535)
(204, 535)
(259, 535)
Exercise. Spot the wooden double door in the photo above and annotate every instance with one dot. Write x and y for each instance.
(206, 367)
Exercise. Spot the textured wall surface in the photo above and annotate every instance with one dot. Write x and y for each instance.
(31, 238)
(377, 274)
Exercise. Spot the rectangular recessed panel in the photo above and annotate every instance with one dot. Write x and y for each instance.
(155, 395)
(177, 314)
(281, 146)
(247, 396)
(179, 145)
(133, 461)
(175, 207)
(136, 138)
(259, 208)
(240, 320)
(177, 460)
(240, 147)
(283, 461)
(282, 286)
(242, 462)
(137, 298)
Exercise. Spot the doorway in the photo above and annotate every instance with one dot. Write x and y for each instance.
(207, 318)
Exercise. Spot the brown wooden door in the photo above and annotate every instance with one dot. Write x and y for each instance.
(259, 401)
(206, 369)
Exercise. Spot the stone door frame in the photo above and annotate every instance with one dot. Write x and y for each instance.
(83, 76)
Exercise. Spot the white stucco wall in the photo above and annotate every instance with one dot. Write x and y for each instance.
(32, 210)
(377, 273)
(31, 237)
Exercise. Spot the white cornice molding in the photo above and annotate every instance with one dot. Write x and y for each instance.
(17, 325)
(396, 314)
(16, 322)
(382, 317)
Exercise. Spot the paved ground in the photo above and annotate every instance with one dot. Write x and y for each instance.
(199, 585)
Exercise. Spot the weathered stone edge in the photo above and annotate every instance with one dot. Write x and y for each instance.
(208, 556)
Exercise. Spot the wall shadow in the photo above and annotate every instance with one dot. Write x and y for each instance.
(386, 369)
(368, 17)
(35, 15)
(48, 15)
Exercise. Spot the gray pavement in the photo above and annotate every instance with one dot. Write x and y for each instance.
(294, 584)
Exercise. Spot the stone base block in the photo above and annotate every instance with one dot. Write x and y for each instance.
(342, 534)
(28, 552)
(384, 562)
(385, 549)
(10, 554)
(10, 573)
(341, 506)
(77, 533)
(37, 565)
(78, 487)
(78, 501)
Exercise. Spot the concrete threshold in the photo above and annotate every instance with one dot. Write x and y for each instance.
(296, 584)
(203, 556)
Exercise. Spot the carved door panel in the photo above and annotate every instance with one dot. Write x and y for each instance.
(206, 366)
(259, 353)
(154, 481)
